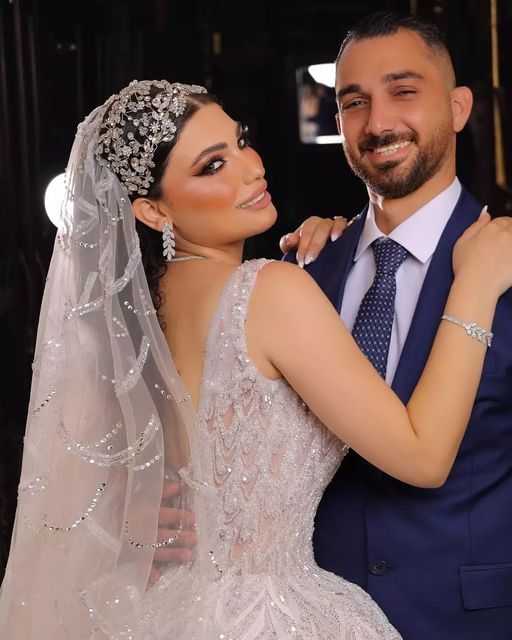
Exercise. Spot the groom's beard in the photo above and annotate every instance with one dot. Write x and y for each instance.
(389, 180)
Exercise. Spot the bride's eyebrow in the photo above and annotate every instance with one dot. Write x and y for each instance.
(220, 146)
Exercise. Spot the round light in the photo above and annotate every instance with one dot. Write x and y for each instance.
(324, 73)
(54, 196)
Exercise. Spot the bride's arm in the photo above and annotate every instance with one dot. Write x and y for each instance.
(294, 327)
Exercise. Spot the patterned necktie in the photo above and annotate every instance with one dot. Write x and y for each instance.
(374, 320)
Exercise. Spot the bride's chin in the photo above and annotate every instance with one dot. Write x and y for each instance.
(261, 228)
(266, 218)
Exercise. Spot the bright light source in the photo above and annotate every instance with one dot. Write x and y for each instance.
(53, 198)
(328, 139)
(324, 73)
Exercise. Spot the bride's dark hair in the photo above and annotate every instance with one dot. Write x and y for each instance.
(150, 240)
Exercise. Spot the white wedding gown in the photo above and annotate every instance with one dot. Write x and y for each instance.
(270, 461)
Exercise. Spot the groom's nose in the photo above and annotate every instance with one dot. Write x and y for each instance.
(382, 118)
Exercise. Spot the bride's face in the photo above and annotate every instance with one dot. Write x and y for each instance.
(213, 185)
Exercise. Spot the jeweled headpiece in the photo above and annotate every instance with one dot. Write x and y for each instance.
(151, 107)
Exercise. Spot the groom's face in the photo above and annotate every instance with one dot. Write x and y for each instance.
(395, 112)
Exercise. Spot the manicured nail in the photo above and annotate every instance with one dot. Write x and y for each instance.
(335, 235)
(300, 262)
(309, 259)
(484, 211)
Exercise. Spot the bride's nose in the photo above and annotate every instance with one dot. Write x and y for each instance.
(253, 169)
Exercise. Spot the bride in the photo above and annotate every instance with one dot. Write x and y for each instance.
(250, 416)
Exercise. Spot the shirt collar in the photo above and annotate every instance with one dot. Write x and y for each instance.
(420, 232)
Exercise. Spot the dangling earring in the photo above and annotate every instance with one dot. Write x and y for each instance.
(169, 241)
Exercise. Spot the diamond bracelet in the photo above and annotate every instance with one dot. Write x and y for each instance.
(472, 329)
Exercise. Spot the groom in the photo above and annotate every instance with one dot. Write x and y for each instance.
(439, 562)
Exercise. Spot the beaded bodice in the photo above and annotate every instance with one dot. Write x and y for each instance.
(272, 458)
(264, 461)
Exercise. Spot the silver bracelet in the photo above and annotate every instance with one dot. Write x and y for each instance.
(473, 330)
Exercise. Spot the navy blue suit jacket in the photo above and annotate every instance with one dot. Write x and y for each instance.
(438, 561)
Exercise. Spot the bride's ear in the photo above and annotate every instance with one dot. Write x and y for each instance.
(148, 212)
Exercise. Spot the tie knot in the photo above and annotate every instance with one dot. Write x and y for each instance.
(388, 254)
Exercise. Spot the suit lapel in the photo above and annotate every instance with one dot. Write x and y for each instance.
(432, 299)
(333, 274)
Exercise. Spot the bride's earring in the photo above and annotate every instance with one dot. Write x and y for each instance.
(169, 241)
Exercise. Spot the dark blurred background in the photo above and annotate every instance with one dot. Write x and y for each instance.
(61, 58)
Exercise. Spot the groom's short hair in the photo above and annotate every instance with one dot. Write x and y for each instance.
(383, 23)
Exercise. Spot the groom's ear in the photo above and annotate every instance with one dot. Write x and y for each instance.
(338, 123)
(149, 213)
(461, 102)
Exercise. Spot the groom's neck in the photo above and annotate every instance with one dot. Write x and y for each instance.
(390, 213)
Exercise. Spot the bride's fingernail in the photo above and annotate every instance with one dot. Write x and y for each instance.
(335, 235)
(300, 262)
(309, 259)
(484, 211)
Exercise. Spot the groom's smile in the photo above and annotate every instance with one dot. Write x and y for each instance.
(385, 152)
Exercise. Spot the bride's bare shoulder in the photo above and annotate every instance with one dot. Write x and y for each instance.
(282, 283)
(276, 272)
(282, 293)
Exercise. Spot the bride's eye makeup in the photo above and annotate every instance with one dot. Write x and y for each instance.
(215, 164)
(211, 167)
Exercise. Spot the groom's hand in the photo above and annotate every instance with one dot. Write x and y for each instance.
(169, 519)
(310, 238)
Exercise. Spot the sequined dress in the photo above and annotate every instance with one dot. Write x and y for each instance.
(270, 461)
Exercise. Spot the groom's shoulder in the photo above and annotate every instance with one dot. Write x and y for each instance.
(468, 201)
(466, 211)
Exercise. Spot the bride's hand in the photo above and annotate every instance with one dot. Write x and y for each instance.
(483, 254)
(310, 238)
